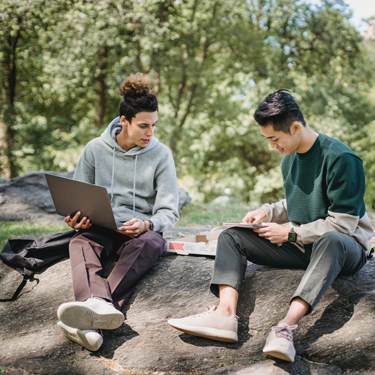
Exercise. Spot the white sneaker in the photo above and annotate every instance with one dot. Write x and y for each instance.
(210, 325)
(93, 313)
(279, 342)
(88, 338)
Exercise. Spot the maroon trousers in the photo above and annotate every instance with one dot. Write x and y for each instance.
(134, 256)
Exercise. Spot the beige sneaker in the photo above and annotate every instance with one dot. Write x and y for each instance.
(210, 325)
(279, 342)
(88, 338)
(94, 313)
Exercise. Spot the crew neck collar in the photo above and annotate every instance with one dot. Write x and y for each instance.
(312, 149)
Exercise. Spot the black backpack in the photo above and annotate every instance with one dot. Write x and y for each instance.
(34, 256)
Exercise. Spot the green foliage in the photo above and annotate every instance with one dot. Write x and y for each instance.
(229, 363)
(254, 360)
(10, 230)
(212, 62)
(213, 214)
(366, 149)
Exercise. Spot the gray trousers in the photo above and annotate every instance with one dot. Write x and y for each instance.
(331, 255)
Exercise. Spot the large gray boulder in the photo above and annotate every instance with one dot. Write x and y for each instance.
(183, 197)
(27, 197)
(337, 338)
(273, 367)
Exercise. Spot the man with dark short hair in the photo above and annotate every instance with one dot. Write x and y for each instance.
(330, 232)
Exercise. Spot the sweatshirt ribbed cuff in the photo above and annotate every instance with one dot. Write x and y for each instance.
(157, 223)
(267, 209)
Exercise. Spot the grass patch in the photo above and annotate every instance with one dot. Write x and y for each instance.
(16, 229)
(195, 214)
(212, 215)
(230, 363)
(254, 360)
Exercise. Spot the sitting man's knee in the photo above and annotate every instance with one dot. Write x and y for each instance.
(331, 237)
(152, 238)
(226, 235)
(234, 235)
(331, 241)
(76, 238)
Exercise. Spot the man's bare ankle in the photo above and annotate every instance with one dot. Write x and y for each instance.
(225, 310)
(290, 322)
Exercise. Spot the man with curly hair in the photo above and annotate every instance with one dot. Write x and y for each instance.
(139, 174)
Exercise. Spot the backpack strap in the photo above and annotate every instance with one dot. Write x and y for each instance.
(370, 253)
(27, 275)
(34, 256)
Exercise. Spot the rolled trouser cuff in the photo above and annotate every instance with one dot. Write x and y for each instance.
(332, 254)
(230, 262)
(214, 287)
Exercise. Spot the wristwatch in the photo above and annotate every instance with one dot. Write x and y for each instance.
(292, 236)
(151, 225)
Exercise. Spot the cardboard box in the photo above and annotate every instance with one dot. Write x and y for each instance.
(201, 244)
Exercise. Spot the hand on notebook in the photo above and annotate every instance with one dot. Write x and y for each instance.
(273, 232)
(255, 217)
(72, 222)
(133, 227)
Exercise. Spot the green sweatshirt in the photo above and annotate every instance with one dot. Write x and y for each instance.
(324, 190)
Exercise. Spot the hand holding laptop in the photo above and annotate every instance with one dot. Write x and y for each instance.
(72, 222)
(133, 227)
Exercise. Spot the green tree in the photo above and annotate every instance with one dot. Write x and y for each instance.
(312, 51)
(21, 24)
(17, 30)
(212, 62)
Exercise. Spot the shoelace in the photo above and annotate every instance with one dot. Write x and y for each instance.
(209, 310)
(285, 332)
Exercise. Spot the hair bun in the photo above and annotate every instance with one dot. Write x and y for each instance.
(135, 84)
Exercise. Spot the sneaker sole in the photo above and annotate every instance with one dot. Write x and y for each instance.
(278, 354)
(77, 336)
(82, 317)
(208, 333)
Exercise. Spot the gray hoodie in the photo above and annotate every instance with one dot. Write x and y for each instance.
(141, 182)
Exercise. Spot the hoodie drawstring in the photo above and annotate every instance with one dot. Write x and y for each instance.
(113, 178)
(113, 172)
(135, 175)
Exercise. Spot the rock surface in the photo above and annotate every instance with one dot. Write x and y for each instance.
(27, 197)
(183, 197)
(337, 338)
(272, 367)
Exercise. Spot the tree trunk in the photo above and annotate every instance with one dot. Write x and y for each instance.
(156, 85)
(100, 87)
(4, 169)
(7, 143)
